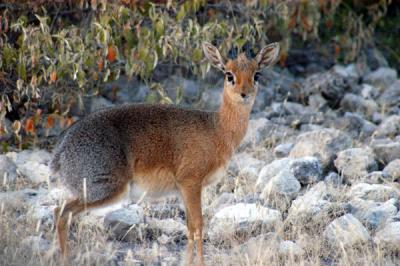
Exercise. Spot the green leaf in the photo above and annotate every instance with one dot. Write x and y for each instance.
(181, 13)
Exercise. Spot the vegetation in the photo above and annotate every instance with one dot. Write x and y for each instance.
(53, 53)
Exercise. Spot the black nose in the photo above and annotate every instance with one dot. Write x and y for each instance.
(243, 95)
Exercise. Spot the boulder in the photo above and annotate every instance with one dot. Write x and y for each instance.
(307, 170)
(390, 97)
(284, 185)
(346, 231)
(357, 104)
(323, 144)
(34, 164)
(355, 163)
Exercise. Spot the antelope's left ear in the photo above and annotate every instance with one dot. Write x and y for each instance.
(268, 55)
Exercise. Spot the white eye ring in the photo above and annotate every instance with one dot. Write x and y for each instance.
(230, 78)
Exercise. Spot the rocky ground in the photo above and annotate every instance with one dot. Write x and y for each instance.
(315, 181)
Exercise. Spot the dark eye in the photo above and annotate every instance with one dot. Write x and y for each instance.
(257, 76)
(229, 77)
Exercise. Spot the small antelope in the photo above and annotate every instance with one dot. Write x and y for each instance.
(158, 148)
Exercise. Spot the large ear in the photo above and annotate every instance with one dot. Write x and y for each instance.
(268, 55)
(213, 56)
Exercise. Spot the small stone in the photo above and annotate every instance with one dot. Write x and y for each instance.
(356, 162)
(386, 150)
(283, 150)
(34, 165)
(284, 185)
(381, 78)
(245, 164)
(241, 221)
(36, 243)
(393, 169)
(257, 131)
(347, 231)
(315, 200)
(356, 104)
(307, 170)
(125, 223)
(175, 230)
(271, 170)
(390, 97)
(290, 249)
(390, 127)
(376, 177)
(333, 179)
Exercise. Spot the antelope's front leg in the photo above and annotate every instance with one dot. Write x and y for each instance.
(192, 199)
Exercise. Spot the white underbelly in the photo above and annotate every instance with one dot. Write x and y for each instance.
(215, 176)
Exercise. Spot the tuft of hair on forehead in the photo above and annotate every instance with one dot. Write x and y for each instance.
(242, 62)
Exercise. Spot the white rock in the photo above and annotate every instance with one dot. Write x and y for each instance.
(312, 202)
(393, 169)
(346, 231)
(373, 214)
(389, 127)
(290, 249)
(242, 220)
(375, 192)
(125, 223)
(283, 184)
(172, 228)
(8, 170)
(245, 164)
(283, 150)
(356, 162)
(271, 170)
(323, 144)
(382, 78)
(389, 236)
(33, 164)
(257, 132)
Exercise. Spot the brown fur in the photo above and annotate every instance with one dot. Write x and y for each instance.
(157, 149)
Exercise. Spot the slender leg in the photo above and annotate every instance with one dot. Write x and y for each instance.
(192, 199)
(62, 216)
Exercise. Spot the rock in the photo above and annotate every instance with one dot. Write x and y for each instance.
(190, 88)
(290, 249)
(264, 98)
(36, 243)
(390, 97)
(222, 201)
(241, 221)
(386, 150)
(333, 179)
(346, 231)
(99, 103)
(389, 236)
(283, 150)
(375, 192)
(323, 144)
(317, 102)
(373, 214)
(376, 177)
(393, 169)
(369, 92)
(356, 162)
(356, 104)
(390, 127)
(375, 59)
(166, 211)
(307, 170)
(284, 185)
(381, 78)
(315, 200)
(171, 228)
(271, 170)
(125, 223)
(8, 170)
(33, 164)
(245, 164)
(257, 131)
(258, 245)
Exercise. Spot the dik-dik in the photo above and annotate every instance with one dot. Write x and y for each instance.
(158, 148)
